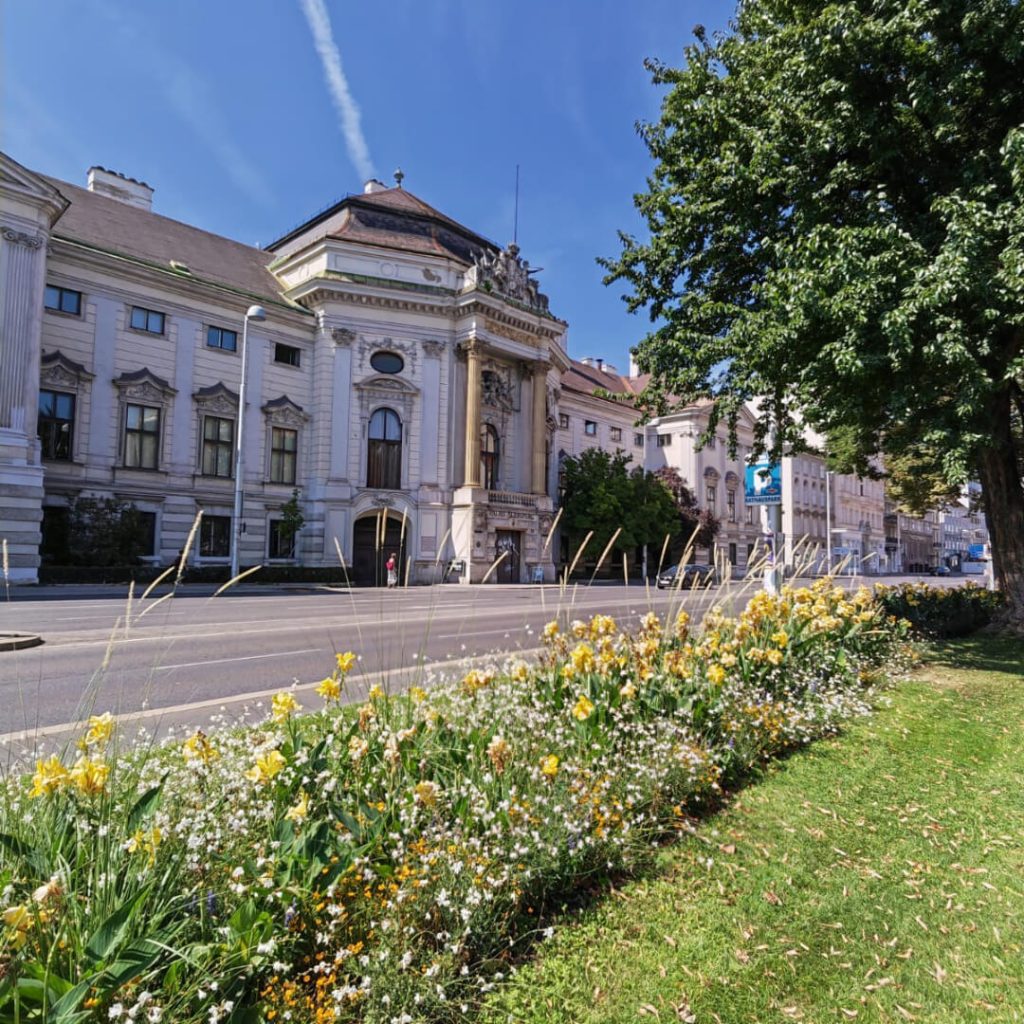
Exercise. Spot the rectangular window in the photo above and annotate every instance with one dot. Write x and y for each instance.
(712, 441)
(664, 440)
(732, 554)
(750, 552)
(638, 440)
(147, 530)
(215, 536)
(709, 497)
(287, 354)
(218, 445)
(615, 433)
(141, 437)
(63, 300)
(730, 504)
(56, 425)
(221, 337)
(281, 543)
(563, 420)
(147, 320)
(283, 447)
(590, 428)
(750, 515)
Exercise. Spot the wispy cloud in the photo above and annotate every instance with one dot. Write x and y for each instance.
(337, 85)
(190, 96)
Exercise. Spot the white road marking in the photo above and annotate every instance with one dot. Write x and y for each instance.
(224, 661)
(242, 698)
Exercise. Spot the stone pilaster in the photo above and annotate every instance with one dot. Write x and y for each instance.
(22, 276)
(539, 427)
(471, 477)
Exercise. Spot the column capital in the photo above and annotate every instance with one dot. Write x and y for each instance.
(22, 238)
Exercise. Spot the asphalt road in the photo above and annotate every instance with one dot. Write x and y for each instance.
(191, 655)
(182, 660)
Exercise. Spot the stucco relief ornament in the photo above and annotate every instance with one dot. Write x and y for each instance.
(343, 336)
(509, 275)
(383, 500)
(21, 238)
(496, 390)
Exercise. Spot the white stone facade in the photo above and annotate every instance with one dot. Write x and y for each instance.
(382, 315)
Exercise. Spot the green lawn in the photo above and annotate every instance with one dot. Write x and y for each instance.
(875, 877)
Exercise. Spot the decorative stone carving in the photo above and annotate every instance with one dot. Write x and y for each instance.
(283, 412)
(21, 238)
(383, 500)
(217, 400)
(343, 336)
(429, 275)
(504, 331)
(144, 386)
(496, 389)
(434, 348)
(57, 371)
(508, 275)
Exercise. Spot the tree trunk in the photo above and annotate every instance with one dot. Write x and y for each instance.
(1003, 495)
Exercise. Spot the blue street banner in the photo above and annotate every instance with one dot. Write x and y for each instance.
(763, 485)
(976, 552)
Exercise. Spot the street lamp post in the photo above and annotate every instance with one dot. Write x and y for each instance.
(257, 313)
(828, 521)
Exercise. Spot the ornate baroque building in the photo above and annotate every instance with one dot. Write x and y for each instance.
(405, 380)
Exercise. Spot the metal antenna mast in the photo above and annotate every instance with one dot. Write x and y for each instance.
(515, 219)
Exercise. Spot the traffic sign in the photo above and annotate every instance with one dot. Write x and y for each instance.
(763, 484)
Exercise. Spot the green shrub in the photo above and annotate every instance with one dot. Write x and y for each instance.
(942, 611)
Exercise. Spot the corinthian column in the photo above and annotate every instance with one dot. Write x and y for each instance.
(471, 477)
(540, 389)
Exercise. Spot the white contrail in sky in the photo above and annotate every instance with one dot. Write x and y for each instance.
(337, 85)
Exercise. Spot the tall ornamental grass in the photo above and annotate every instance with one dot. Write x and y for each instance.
(387, 862)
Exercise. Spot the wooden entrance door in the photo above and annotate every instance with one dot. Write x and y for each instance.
(369, 555)
(507, 544)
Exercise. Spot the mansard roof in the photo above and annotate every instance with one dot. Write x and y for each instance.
(392, 218)
(118, 228)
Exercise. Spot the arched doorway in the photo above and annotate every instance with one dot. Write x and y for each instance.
(374, 537)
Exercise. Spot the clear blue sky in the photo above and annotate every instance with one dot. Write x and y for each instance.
(248, 117)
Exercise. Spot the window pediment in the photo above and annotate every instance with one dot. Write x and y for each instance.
(283, 412)
(144, 386)
(387, 385)
(57, 371)
(217, 399)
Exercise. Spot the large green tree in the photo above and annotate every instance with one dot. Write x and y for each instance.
(601, 496)
(836, 227)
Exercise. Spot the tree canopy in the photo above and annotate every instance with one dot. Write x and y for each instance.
(836, 227)
(602, 495)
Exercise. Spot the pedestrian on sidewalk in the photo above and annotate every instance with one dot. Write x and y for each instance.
(392, 568)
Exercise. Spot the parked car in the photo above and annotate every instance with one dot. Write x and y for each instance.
(940, 570)
(695, 574)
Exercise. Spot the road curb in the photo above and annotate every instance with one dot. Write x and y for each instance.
(19, 641)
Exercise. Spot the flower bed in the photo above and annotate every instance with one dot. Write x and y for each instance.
(382, 862)
(942, 611)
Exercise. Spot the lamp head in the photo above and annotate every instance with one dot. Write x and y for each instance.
(255, 313)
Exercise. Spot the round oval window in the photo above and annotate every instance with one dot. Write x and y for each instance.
(387, 362)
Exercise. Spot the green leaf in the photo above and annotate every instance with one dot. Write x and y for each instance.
(34, 858)
(144, 806)
(111, 933)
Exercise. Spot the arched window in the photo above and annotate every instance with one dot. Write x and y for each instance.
(384, 453)
(489, 455)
